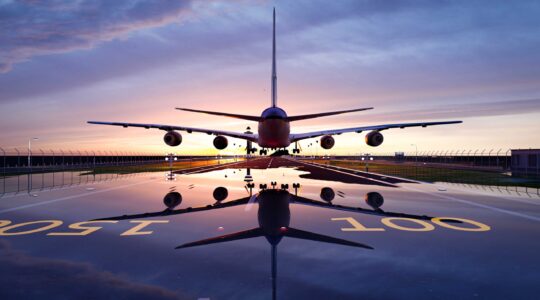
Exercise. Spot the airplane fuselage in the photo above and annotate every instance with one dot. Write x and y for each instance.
(274, 129)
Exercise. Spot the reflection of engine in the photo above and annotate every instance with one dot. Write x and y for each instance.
(374, 138)
(172, 200)
(172, 138)
(220, 193)
(220, 142)
(327, 194)
(327, 142)
(374, 199)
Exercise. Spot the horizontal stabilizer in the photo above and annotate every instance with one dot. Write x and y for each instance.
(325, 114)
(311, 236)
(217, 113)
(241, 235)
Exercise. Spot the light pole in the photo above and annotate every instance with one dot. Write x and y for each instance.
(416, 153)
(29, 180)
(30, 151)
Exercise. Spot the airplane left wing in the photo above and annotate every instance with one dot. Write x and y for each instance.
(166, 213)
(243, 136)
(302, 136)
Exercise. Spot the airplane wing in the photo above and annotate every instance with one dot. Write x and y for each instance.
(302, 136)
(377, 212)
(243, 136)
(169, 212)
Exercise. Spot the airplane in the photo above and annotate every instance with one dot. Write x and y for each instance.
(274, 124)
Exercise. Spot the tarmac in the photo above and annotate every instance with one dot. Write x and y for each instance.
(268, 228)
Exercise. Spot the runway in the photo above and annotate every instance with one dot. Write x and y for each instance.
(283, 229)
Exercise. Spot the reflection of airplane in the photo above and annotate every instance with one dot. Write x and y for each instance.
(273, 216)
(274, 124)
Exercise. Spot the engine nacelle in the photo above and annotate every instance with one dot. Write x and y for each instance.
(221, 142)
(172, 138)
(327, 142)
(374, 199)
(327, 194)
(374, 138)
(172, 200)
(220, 194)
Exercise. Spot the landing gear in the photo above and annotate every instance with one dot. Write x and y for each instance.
(263, 152)
(296, 150)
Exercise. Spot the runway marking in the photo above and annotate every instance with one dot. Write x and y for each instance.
(346, 173)
(270, 163)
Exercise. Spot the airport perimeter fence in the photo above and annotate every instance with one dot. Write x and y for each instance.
(478, 159)
(16, 160)
(466, 167)
(23, 170)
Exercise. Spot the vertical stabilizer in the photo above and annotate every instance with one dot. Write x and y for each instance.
(274, 76)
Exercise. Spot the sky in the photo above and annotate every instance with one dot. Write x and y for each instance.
(63, 63)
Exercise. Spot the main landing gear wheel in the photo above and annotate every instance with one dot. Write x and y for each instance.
(263, 152)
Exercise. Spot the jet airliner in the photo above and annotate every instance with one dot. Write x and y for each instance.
(274, 124)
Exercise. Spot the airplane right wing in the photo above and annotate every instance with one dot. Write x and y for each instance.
(302, 136)
(243, 136)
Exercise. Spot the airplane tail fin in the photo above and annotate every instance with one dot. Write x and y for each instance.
(324, 114)
(274, 76)
(217, 113)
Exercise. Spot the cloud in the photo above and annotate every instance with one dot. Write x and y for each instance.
(31, 28)
(467, 110)
(33, 277)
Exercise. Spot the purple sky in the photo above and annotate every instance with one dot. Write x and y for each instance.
(63, 64)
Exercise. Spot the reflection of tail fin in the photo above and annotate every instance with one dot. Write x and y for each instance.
(240, 235)
(274, 76)
(274, 270)
(306, 235)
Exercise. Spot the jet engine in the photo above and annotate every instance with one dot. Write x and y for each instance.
(374, 199)
(172, 138)
(220, 194)
(327, 142)
(327, 194)
(220, 142)
(374, 138)
(172, 200)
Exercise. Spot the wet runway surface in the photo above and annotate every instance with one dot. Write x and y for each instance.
(269, 228)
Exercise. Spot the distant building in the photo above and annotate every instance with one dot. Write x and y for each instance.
(526, 162)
